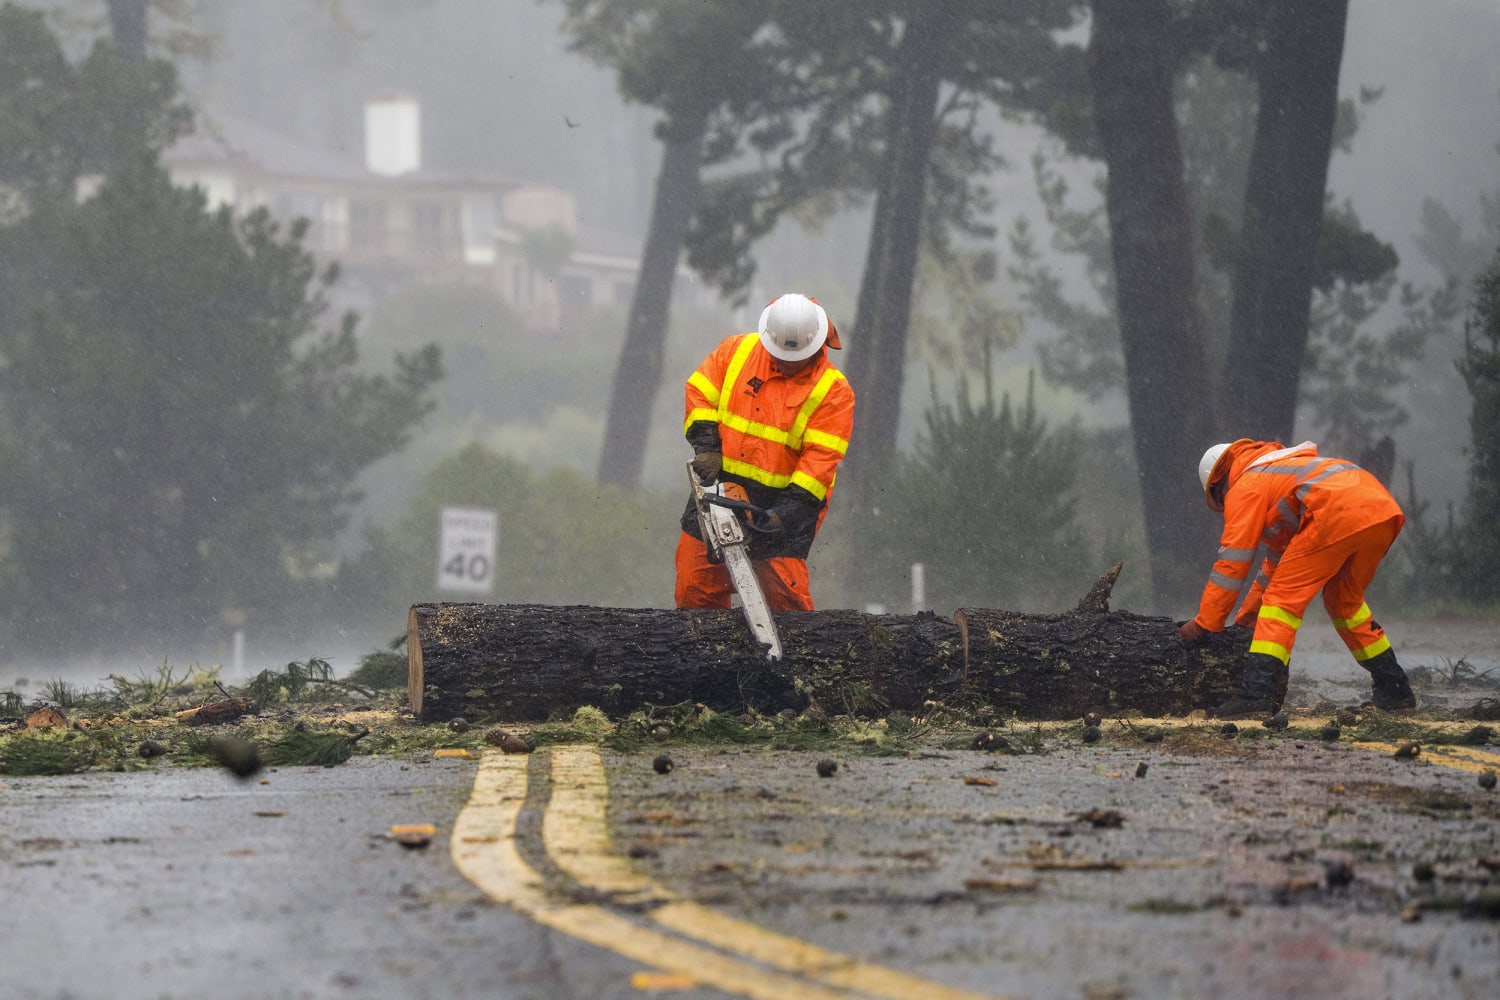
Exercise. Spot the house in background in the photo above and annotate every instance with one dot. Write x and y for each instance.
(389, 222)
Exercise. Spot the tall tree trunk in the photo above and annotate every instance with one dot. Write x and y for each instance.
(1131, 68)
(639, 372)
(877, 345)
(1284, 194)
(127, 21)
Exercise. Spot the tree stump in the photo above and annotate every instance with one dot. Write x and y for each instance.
(532, 662)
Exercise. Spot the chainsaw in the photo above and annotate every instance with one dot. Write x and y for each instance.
(724, 515)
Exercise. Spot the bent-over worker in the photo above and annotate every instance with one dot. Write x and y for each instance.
(770, 412)
(1326, 524)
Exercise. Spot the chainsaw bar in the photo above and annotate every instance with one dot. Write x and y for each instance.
(725, 537)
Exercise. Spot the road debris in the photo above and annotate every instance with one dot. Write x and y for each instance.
(46, 717)
(239, 757)
(413, 835)
(509, 742)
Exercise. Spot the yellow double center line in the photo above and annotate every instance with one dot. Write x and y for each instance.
(1460, 758)
(671, 934)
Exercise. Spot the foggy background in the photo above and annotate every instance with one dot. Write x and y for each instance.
(501, 97)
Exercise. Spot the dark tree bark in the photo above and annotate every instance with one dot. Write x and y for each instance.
(1132, 60)
(1298, 77)
(639, 373)
(877, 345)
(531, 661)
(527, 662)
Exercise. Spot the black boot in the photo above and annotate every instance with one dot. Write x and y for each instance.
(1262, 688)
(1392, 691)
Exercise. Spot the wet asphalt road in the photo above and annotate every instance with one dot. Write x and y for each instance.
(1264, 866)
(187, 883)
(1057, 875)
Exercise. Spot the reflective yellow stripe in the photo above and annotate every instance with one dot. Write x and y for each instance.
(824, 440)
(712, 416)
(1285, 617)
(810, 484)
(732, 373)
(1373, 650)
(1271, 649)
(1359, 618)
(700, 381)
(752, 429)
(754, 472)
(809, 405)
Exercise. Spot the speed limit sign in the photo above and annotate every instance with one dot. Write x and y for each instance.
(466, 554)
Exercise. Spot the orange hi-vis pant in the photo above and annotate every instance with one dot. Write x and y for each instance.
(704, 584)
(1341, 571)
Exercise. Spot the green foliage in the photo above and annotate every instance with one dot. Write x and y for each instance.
(380, 670)
(562, 540)
(170, 381)
(61, 693)
(1478, 566)
(43, 752)
(306, 748)
(147, 693)
(299, 681)
(1355, 373)
(1357, 366)
(986, 500)
(59, 121)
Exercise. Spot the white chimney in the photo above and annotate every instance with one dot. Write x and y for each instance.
(393, 134)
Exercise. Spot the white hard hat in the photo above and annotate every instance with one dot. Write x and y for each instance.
(1209, 470)
(794, 327)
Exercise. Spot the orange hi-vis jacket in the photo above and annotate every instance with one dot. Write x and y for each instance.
(782, 437)
(1274, 494)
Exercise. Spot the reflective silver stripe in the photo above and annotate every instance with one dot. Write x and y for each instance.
(1227, 582)
(1284, 470)
(1307, 484)
(1236, 555)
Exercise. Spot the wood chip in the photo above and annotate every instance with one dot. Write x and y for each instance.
(46, 717)
(975, 779)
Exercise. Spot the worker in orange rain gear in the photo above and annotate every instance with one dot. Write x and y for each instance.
(770, 412)
(1326, 524)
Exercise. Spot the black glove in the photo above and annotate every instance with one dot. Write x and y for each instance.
(772, 525)
(707, 465)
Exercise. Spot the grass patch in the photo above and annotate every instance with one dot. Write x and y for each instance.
(45, 752)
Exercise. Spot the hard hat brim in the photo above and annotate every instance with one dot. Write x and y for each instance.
(825, 333)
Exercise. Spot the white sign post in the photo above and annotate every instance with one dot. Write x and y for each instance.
(466, 554)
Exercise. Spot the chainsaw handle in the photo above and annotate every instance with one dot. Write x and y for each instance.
(756, 513)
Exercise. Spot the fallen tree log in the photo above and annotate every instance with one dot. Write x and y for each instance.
(532, 662)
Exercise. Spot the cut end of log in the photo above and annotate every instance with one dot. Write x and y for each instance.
(413, 664)
(1096, 601)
